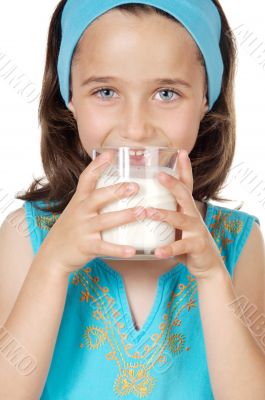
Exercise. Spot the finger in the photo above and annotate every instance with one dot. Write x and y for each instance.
(183, 246)
(178, 220)
(181, 193)
(112, 219)
(88, 178)
(185, 169)
(103, 196)
(100, 247)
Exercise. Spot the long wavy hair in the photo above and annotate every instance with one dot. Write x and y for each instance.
(64, 158)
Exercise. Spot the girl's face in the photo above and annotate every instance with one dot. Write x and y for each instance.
(122, 94)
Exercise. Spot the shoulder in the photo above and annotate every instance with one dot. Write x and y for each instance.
(16, 256)
(15, 228)
(15, 236)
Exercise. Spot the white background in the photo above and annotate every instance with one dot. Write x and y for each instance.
(23, 36)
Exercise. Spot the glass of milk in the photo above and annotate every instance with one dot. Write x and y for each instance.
(140, 165)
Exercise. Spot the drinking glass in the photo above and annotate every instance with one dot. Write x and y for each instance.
(140, 165)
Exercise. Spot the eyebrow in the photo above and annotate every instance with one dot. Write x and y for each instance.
(161, 81)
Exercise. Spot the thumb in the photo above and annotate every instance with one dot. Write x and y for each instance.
(88, 178)
(185, 169)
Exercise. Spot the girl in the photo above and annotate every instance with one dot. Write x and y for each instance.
(157, 73)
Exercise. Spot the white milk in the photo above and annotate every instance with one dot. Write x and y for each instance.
(145, 235)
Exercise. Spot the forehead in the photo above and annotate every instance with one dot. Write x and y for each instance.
(126, 41)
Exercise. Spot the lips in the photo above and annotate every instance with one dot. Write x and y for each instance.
(137, 157)
(137, 160)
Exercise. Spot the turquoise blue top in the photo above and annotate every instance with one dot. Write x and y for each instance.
(100, 355)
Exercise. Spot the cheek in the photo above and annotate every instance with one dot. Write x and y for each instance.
(183, 130)
(92, 129)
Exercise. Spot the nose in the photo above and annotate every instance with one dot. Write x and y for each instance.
(136, 124)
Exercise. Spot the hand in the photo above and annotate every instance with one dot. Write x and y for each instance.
(202, 255)
(75, 237)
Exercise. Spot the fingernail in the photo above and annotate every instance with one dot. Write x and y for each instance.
(164, 176)
(162, 252)
(139, 211)
(183, 151)
(152, 212)
(129, 250)
(130, 188)
(106, 156)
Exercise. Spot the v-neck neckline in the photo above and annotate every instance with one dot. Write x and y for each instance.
(135, 334)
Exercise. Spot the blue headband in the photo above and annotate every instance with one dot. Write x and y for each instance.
(200, 17)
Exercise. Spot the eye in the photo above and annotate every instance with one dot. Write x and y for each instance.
(166, 91)
(105, 91)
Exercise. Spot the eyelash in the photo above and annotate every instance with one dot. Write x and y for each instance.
(165, 90)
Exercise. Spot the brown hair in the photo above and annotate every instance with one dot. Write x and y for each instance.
(64, 158)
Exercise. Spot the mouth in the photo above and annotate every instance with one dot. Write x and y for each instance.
(137, 157)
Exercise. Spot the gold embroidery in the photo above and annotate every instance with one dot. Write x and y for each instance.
(94, 337)
(75, 280)
(176, 343)
(191, 304)
(46, 222)
(221, 226)
(133, 377)
(85, 296)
